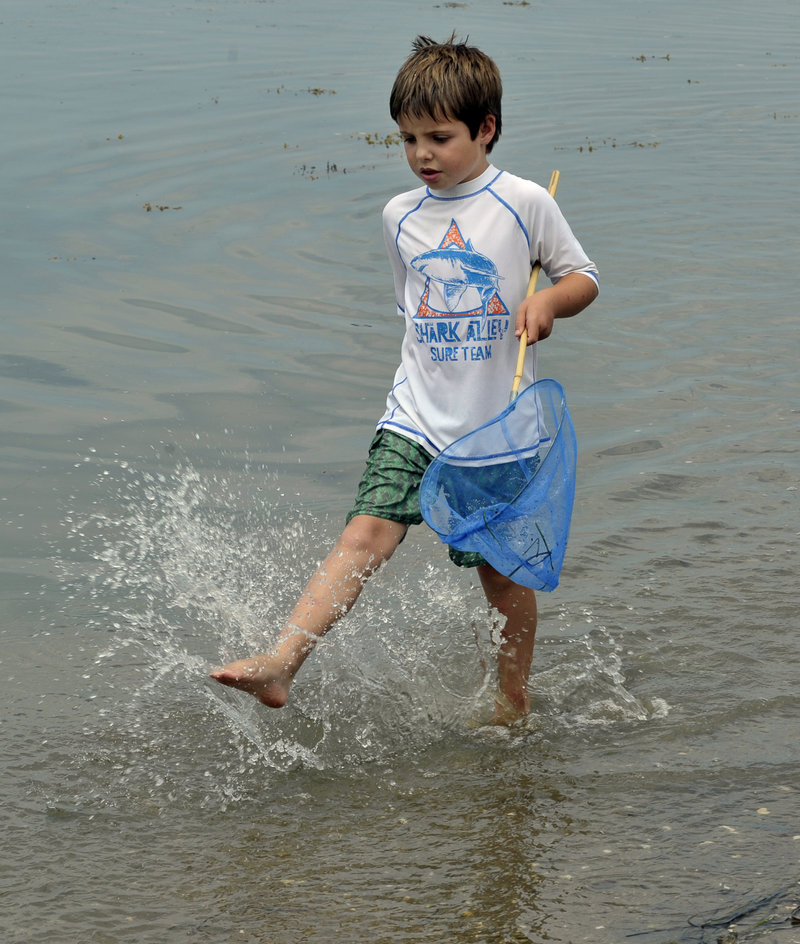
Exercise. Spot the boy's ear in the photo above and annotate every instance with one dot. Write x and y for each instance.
(487, 129)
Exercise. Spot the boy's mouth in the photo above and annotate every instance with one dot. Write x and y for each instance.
(429, 175)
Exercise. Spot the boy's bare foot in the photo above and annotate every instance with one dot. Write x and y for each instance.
(508, 711)
(266, 677)
(504, 713)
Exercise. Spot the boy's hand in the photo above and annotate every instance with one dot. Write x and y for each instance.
(566, 298)
(537, 316)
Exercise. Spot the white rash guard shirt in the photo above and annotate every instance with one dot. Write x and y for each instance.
(462, 260)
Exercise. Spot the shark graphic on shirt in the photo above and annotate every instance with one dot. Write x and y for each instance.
(468, 280)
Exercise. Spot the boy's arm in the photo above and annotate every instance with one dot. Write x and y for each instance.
(570, 295)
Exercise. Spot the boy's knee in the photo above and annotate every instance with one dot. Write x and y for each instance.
(502, 593)
(492, 581)
(377, 535)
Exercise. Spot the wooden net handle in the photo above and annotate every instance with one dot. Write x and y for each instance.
(523, 341)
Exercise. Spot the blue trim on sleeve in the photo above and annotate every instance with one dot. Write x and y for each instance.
(400, 226)
(511, 210)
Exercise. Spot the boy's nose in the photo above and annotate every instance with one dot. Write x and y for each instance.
(423, 152)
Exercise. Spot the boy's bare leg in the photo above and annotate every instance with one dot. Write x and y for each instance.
(518, 605)
(365, 544)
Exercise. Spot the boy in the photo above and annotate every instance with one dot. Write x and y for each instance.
(461, 248)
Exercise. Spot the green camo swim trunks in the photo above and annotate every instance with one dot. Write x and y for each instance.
(389, 487)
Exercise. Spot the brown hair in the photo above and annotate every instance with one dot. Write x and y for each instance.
(450, 81)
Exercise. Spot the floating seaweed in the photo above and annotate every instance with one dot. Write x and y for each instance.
(591, 146)
(314, 172)
(385, 140)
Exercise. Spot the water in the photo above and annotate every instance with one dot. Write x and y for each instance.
(196, 345)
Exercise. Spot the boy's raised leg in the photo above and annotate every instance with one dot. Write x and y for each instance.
(518, 605)
(365, 544)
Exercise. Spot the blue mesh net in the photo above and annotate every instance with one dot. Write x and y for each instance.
(506, 490)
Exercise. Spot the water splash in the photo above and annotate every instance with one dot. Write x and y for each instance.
(189, 569)
(585, 685)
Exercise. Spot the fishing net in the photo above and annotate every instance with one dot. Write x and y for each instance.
(506, 489)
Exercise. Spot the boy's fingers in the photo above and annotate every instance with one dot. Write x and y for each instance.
(539, 330)
(545, 331)
(521, 322)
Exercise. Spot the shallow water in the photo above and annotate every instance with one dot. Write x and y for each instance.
(196, 346)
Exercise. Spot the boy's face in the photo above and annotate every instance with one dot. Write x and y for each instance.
(441, 152)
